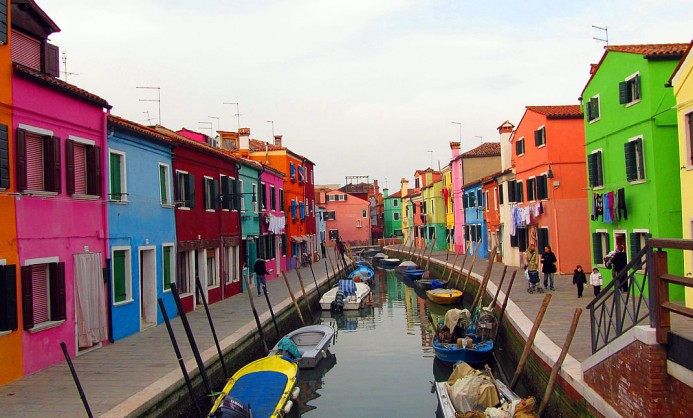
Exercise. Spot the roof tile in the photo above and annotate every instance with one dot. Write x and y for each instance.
(558, 112)
(649, 49)
(487, 149)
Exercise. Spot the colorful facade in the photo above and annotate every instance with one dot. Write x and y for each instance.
(550, 201)
(448, 206)
(682, 82)
(632, 150)
(494, 233)
(346, 217)
(456, 195)
(509, 254)
(475, 223)
(392, 213)
(142, 226)
(271, 243)
(434, 227)
(407, 212)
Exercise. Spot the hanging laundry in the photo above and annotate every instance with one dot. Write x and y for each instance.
(610, 206)
(541, 208)
(606, 201)
(617, 215)
(623, 211)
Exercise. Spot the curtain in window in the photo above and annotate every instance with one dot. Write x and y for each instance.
(91, 302)
(80, 162)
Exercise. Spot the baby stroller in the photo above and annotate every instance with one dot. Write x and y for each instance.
(534, 283)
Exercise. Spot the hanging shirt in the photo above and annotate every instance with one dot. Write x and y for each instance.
(607, 213)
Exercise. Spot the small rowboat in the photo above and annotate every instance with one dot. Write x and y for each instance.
(389, 263)
(478, 354)
(414, 274)
(363, 274)
(259, 389)
(444, 296)
(347, 295)
(312, 342)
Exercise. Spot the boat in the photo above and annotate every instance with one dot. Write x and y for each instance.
(414, 274)
(406, 265)
(462, 338)
(389, 263)
(347, 295)
(444, 296)
(362, 273)
(428, 284)
(378, 257)
(259, 389)
(471, 350)
(312, 342)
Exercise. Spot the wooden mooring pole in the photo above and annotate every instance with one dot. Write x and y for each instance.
(428, 260)
(454, 263)
(303, 290)
(329, 257)
(507, 296)
(76, 380)
(530, 341)
(211, 326)
(495, 297)
(559, 362)
(293, 298)
(257, 317)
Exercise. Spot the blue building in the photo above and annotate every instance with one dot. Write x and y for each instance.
(141, 226)
(475, 224)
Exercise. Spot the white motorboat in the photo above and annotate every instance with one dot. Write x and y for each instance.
(312, 342)
(347, 295)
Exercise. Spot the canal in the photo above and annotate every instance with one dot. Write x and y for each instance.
(381, 363)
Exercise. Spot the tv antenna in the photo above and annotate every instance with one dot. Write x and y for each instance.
(237, 115)
(431, 152)
(210, 127)
(480, 137)
(158, 100)
(604, 29)
(149, 118)
(64, 71)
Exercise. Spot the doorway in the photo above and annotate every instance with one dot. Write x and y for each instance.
(147, 287)
(90, 300)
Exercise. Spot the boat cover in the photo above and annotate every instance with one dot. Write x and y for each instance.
(348, 287)
(453, 316)
(468, 388)
(261, 390)
(287, 345)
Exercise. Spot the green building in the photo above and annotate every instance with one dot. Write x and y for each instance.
(392, 212)
(632, 151)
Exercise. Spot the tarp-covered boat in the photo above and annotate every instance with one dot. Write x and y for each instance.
(347, 295)
(311, 341)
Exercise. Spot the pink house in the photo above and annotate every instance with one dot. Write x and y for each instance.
(59, 131)
(273, 222)
(346, 216)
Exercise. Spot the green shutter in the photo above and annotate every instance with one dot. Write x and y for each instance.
(592, 169)
(640, 160)
(119, 292)
(162, 185)
(115, 193)
(599, 168)
(634, 244)
(597, 251)
(167, 268)
(623, 93)
(631, 163)
(190, 190)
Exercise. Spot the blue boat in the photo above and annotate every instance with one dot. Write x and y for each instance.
(362, 274)
(478, 353)
(414, 274)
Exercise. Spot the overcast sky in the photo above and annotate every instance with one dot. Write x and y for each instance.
(360, 87)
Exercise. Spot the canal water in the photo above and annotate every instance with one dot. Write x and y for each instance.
(381, 363)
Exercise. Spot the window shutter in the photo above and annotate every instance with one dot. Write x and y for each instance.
(20, 143)
(70, 167)
(634, 244)
(600, 169)
(3, 22)
(57, 291)
(519, 193)
(542, 239)
(636, 87)
(622, 92)
(190, 188)
(215, 194)
(4, 155)
(53, 183)
(94, 171)
(51, 57)
(511, 191)
(513, 240)
(225, 192)
(522, 239)
(118, 262)
(588, 108)
(27, 298)
(592, 169)
(631, 164)
(500, 194)
(593, 108)
(479, 198)
(518, 148)
(639, 155)
(537, 137)
(162, 185)
(115, 189)
(597, 250)
(8, 298)
(167, 268)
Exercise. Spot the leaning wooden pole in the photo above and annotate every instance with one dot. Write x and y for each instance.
(469, 272)
(454, 263)
(461, 270)
(559, 362)
(303, 290)
(530, 341)
(495, 297)
(464, 259)
(479, 297)
(430, 253)
(256, 316)
(293, 298)
(411, 248)
(507, 296)
(329, 257)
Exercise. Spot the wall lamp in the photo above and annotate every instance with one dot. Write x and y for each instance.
(549, 174)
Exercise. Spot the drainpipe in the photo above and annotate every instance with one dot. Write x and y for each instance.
(105, 238)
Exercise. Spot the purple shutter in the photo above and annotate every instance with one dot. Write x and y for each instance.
(20, 141)
(26, 50)
(57, 291)
(4, 157)
(51, 60)
(54, 167)
(27, 297)
(70, 167)
(95, 185)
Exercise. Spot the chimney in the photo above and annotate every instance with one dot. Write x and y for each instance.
(278, 140)
(405, 186)
(506, 132)
(244, 140)
(455, 147)
(386, 192)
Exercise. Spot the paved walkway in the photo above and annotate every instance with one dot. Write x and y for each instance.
(121, 377)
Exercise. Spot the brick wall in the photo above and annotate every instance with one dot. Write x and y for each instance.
(682, 398)
(636, 383)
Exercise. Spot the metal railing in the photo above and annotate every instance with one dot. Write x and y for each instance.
(615, 310)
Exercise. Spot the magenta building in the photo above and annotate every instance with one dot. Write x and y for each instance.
(61, 215)
(273, 221)
(457, 193)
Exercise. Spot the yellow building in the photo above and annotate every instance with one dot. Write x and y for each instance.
(447, 202)
(682, 81)
(406, 214)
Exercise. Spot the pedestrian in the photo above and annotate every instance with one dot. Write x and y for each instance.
(260, 269)
(596, 280)
(618, 263)
(532, 262)
(579, 279)
(548, 266)
(322, 249)
(530, 286)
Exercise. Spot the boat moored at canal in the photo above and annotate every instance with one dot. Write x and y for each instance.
(312, 342)
(347, 295)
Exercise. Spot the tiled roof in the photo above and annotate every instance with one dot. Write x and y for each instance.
(558, 112)
(650, 49)
(256, 145)
(59, 84)
(681, 62)
(136, 127)
(487, 149)
(190, 143)
(393, 195)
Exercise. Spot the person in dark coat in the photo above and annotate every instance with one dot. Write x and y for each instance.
(548, 266)
(618, 263)
(579, 279)
(322, 249)
(260, 269)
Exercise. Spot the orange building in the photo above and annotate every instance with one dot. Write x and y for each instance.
(491, 208)
(550, 184)
(10, 335)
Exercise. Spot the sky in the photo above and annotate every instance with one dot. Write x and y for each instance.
(359, 87)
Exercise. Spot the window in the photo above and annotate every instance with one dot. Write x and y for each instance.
(689, 128)
(185, 190)
(43, 292)
(263, 196)
(164, 184)
(395, 203)
(211, 194)
(302, 210)
(472, 199)
(300, 174)
(542, 187)
(519, 192)
(83, 168)
(522, 239)
(281, 200)
(254, 193)
(595, 169)
(542, 239)
(495, 198)
(600, 246)
(4, 152)
(629, 90)
(512, 189)
(292, 171)
(635, 162)
(520, 147)
(232, 255)
(293, 209)
(121, 270)
(531, 189)
(186, 271)
(3, 23)
(500, 194)
(486, 200)
(266, 247)
(117, 191)
(358, 223)
(273, 198)
(8, 298)
(395, 216)
(637, 242)
(432, 207)
(364, 213)
(540, 137)
(593, 109)
(329, 215)
(38, 161)
(212, 272)
(167, 266)
(334, 234)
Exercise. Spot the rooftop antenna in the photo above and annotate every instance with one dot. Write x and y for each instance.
(149, 118)
(158, 100)
(431, 152)
(210, 127)
(604, 29)
(460, 125)
(272, 122)
(217, 118)
(64, 71)
(237, 115)
(480, 137)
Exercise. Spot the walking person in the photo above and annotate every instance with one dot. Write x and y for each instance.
(322, 249)
(548, 266)
(260, 269)
(532, 262)
(596, 280)
(579, 279)
(618, 263)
